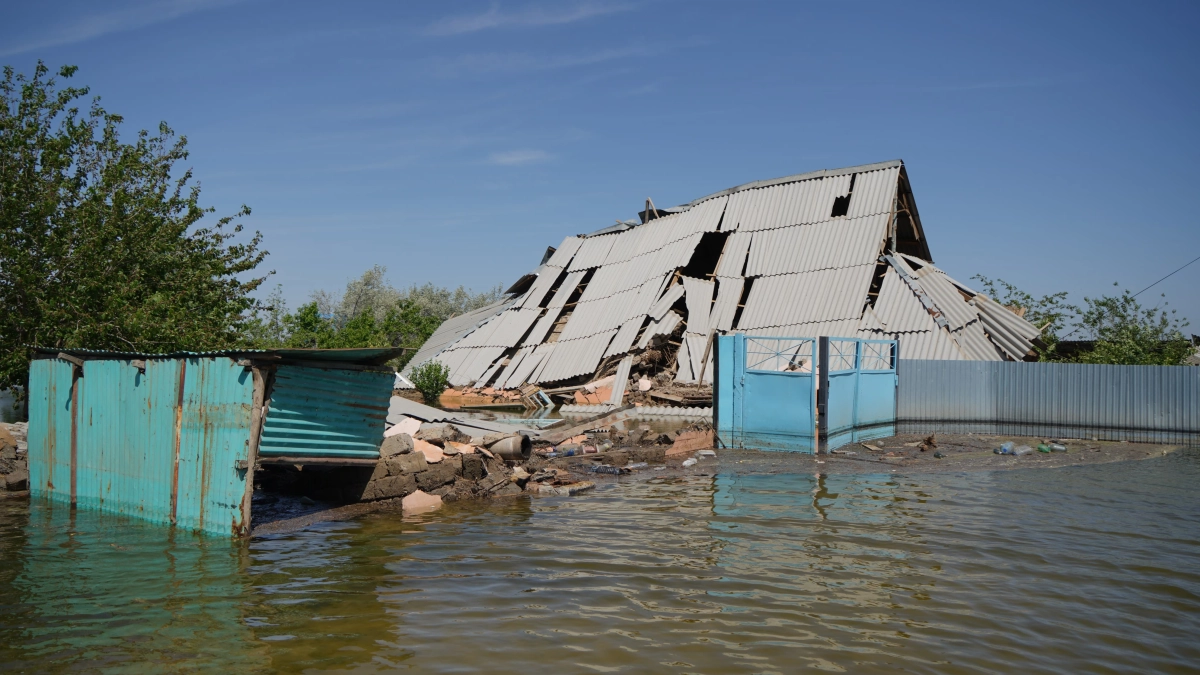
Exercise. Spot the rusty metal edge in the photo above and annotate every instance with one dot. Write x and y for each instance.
(258, 414)
(178, 434)
(76, 373)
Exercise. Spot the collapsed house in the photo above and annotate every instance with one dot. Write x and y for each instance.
(837, 252)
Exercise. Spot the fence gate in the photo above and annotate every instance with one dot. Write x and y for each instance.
(858, 380)
(766, 392)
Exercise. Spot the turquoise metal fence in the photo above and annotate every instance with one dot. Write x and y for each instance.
(859, 377)
(174, 438)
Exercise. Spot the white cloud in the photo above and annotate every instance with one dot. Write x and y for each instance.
(532, 17)
(519, 157)
(114, 21)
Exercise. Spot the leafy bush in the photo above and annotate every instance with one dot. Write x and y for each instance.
(430, 378)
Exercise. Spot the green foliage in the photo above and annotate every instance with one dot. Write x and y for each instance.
(1128, 334)
(1123, 332)
(430, 378)
(100, 245)
(370, 313)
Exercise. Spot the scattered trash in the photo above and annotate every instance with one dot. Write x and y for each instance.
(868, 446)
(1005, 448)
(1056, 447)
(604, 468)
(690, 461)
(706, 453)
(938, 455)
(636, 465)
(1022, 450)
(1042, 447)
(842, 452)
(912, 445)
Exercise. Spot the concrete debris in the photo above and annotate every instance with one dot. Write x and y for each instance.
(433, 454)
(440, 434)
(696, 437)
(420, 501)
(396, 444)
(408, 425)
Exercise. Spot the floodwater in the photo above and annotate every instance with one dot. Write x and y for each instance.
(1084, 569)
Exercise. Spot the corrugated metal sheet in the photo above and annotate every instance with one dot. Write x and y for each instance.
(665, 326)
(546, 276)
(593, 252)
(785, 205)
(806, 248)
(621, 380)
(1009, 331)
(452, 330)
(874, 192)
(317, 412)
(698, 294)
(625, 336)
(565, 251)
(840, 328)
(1156, 404)
(729, 291)
(975, 343)
(808, 297)
(898, 307)
(952, 304)
(733, 259)
(575, 357)
(110, 441)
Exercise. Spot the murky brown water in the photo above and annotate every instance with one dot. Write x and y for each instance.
(1085, 569)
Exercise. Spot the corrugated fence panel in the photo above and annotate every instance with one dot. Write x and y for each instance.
(50, 429)
(1159, 404)
(327, 413)
(218, 395)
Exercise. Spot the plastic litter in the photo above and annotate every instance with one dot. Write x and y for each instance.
(1055, 447)
(1005, 448)
(604, 468)
(706, 453)
(636, 465)
(1042, 447)
(1022, 450)
(690, 461)
(938, 454)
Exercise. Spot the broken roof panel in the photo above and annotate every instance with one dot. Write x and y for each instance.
(565, 251)
(698, 295)
(806, 248)
(733, 258)
(729, 291)
(949, 301)
(575, 357)
(898, 307)
(592, 252)
(874, 192)
(824, 295)
(452, 330)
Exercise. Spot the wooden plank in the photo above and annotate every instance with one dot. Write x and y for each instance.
(560, 435)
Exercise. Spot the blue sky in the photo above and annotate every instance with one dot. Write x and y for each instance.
(1051, 144)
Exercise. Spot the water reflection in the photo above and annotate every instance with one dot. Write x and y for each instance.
(1073, 570)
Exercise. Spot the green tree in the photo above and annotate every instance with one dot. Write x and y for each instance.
(100, 240)
(370, 313)
(1126, 333)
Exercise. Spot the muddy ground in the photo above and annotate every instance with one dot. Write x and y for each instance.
(896, 454)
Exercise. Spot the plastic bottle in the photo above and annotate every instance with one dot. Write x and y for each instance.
(1005, 448)
(1042, 447)
(690, 461)
(1022, 450)
(1056, 447)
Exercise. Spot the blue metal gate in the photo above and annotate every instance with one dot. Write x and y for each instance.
(860, 381)
(766, 393)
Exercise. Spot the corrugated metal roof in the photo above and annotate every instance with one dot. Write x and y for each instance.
(784, 205)
(810, 175)
(668, 300)
(898, 307)
(1005, 328)
(358, 356)
(952, 304)
(593, 252)
(975, 344)
(452, 330)
(808, 297)
(805, 248)
(565, 251)
(935, 344)
(839, 328)
(621, 380)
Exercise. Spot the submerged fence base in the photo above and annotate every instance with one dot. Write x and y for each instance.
(1151, 404)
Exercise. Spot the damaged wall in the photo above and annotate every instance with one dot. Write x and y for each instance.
(838, 252)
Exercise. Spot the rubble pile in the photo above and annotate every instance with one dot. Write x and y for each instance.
(14, 462)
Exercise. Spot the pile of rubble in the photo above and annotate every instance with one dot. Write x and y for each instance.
(14, 463)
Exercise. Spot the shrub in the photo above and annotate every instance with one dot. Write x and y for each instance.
(430, 378)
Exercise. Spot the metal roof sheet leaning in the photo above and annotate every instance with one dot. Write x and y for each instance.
(837, 252)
